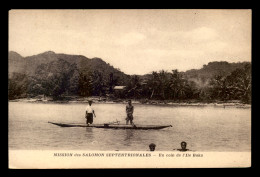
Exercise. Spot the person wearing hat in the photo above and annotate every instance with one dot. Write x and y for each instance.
(129, 112)
(89, 113)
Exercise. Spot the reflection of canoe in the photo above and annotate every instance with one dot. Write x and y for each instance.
(113, 126)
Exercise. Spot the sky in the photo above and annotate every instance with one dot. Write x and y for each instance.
(135, 41)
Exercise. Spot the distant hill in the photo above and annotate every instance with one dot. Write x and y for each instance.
(16, 63)
(28, 65)
(61, 75)
(203, 75)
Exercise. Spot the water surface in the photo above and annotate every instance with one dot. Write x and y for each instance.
(204, 128)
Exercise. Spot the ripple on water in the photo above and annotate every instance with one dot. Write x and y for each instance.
(203, 128)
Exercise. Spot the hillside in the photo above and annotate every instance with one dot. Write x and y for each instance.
(28, 65)
(60, 75)
(203, 75)
(16, 63)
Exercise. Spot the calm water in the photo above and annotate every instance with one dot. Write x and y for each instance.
(203, 128)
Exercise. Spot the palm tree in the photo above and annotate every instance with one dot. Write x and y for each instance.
(154, 84)
(220, 87)
(163, 83)
(240, 82)
(176, 84)
(134, 87)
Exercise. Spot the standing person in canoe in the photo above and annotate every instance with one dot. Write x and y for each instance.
(129, 112)
(89, 113)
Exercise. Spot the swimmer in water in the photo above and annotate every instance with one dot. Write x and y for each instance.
(183, 147)
(152, 146)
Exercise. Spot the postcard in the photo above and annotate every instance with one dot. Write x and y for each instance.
(129, 88)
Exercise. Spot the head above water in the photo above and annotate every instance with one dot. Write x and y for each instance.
(152, 146)
(183, 145)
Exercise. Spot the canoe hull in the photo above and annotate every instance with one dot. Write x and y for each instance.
(112, 126)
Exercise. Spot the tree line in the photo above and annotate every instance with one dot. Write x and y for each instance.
(60, 78)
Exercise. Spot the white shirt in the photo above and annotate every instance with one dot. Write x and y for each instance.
(89, 109)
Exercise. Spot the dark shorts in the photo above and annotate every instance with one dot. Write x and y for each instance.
(130, 117)
(89, 118)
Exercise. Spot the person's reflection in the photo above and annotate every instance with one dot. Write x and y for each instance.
(129, 135)
(89, 133)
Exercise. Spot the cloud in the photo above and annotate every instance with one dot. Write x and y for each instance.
(136, 43)
(130, 38)
(202, 34)
(197, 42)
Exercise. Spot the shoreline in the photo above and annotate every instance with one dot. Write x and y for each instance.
(231, 103)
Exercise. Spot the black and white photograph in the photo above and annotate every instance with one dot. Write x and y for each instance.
(129, 88)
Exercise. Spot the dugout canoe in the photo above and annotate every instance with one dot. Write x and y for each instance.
(112, 126)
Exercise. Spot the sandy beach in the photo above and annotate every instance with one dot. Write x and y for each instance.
(98, 100)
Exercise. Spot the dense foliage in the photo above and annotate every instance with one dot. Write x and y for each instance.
(61, 78)
(237, 85)
(17, 86)
(68, 80)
